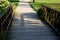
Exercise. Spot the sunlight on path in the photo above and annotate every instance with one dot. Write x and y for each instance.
(24, 8)
(24, 0)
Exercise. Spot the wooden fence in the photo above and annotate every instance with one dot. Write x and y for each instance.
(52, 17)
(6, 18)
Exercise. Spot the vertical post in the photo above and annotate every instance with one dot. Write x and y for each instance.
(12, 9)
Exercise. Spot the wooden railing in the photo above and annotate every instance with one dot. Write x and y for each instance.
(6, 18)
(52, 17)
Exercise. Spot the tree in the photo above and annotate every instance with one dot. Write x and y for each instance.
(33, 0)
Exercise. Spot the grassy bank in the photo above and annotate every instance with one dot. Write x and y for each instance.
(35, 5)
(13, 0)
(54, 4)
(47, 1)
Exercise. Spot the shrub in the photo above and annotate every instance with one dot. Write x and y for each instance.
(3, 5)
(40, 14)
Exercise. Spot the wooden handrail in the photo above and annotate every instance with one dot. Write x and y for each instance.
(6, 18)
(52, 17)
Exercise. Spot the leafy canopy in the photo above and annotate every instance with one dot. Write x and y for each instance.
(3, 4)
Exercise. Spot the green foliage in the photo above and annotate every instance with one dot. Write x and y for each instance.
(40, 14)
(35, 5)
(47, 1)
(13, 0)
(54, 4)
(3, 5)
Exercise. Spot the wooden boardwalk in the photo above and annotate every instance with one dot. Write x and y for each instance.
(27, 26)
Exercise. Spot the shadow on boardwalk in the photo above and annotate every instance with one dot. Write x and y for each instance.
(27, 26)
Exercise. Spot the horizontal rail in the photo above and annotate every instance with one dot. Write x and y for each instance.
(51, 16)
(6, 18)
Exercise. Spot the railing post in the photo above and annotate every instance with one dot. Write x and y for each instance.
(52, 17)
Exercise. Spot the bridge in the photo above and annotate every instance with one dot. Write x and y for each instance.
(27, 26)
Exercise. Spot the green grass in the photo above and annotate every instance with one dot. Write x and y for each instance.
(35, 6)
(47, 1)
(13, 0)
(54, 4)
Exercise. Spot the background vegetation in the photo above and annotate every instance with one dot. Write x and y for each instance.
(3, 5)
(15, 2)
(50, 3)
(47, 1)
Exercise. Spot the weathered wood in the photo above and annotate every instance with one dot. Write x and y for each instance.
(6, 18)
(52, 17)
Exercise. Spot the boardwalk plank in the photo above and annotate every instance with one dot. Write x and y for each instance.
(27, 26)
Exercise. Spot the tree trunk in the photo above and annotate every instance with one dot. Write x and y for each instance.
(33, 0)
